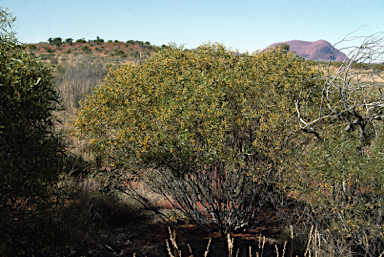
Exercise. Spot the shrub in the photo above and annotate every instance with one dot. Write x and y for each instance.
(212, 128)
(81, 41)
(30, 152)
(99, 41)
(48, 49)
(339, 177)
(119, 52)
(32, 48)
(135, 54)
(341, 192)
(86, 49)
(57, 41)
(46, 56)
(69, 41)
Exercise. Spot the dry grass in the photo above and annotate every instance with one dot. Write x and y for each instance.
(173, 249)
(356, 75)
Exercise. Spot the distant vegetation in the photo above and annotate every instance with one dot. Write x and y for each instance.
(359, 66)
(81, 65)
(133, 51)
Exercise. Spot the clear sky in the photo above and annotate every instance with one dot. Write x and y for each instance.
(245, 25)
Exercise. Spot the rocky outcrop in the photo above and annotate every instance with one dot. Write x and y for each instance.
(319, 50)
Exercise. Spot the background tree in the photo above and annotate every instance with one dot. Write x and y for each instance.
(284, 47)
(55, 41)
(141, 48)
(99, 40)
(211, 129)
(69, 41)
(81, 41)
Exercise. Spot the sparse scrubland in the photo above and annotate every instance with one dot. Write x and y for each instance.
(261, 154)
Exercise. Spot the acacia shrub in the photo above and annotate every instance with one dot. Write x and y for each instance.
(188, 115)
(342, 190)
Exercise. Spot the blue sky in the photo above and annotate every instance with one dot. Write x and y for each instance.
(243, 25)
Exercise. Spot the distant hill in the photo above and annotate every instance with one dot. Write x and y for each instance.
(114, 52)
(319, 50)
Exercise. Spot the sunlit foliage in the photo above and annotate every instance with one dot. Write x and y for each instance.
(184, 110)
(204, 106)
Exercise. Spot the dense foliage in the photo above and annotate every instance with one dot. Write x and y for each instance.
(29, 151)
(203, 106)
(208, 109)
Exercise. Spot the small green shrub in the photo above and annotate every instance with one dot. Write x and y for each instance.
(135, 54)
(86, 49)
(48, 49)
(81, 41)
(119, 52)
(32, 47)
(69, 41)
(57, 41)
(46, 56)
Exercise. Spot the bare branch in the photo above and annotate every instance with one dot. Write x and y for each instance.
(352, 93)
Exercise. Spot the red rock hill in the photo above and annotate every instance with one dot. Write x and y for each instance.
(319, 50)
